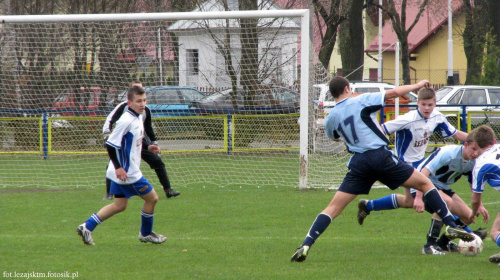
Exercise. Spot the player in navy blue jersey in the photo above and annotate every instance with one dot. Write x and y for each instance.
(486, 170)
(355, 120)
(153, 160)
(124, 149)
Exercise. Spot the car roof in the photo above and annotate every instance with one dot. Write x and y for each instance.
(169, 87)
(470, 86)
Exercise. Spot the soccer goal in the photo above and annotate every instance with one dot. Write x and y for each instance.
(230, 93)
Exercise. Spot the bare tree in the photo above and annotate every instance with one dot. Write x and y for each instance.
(398, 20)
(329, 15)
(351, 41)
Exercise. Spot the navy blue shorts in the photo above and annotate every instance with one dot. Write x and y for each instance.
(375, 165)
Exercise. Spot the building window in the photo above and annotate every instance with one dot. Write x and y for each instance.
(192, 62)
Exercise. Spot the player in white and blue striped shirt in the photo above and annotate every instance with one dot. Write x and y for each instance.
(355, 120)
(487, 170)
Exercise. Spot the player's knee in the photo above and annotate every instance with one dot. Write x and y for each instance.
(120, 207)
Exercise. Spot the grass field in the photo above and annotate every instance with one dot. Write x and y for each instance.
(225, 233)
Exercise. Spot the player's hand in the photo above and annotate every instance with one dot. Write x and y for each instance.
(418, 204)
(424, 83)
(105, 138)
(121, 174)
(154, 149)
(484, 212)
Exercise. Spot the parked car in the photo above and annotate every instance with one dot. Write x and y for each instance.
(482, 98)
(69, 102)
(469, 95)
(269, 100)
(169, 101)
(325, 102)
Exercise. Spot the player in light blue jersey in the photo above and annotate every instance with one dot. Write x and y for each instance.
(445, 167)
(355, 120)
(487, 170)
(124, 149)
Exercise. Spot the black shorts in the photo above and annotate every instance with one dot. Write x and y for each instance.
(375, 165)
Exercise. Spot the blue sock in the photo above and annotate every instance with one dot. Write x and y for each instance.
(461, 224)
(385, 203)
(318, 227)
(433, 202)
(147, 223)
(92, 222)
(497, 240)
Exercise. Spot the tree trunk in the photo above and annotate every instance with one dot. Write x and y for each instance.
(474, 37)
(351, 42)
(249, 53)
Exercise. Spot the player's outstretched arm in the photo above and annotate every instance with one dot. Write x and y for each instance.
(402, 90)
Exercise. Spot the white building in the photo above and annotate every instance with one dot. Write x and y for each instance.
(201, 44)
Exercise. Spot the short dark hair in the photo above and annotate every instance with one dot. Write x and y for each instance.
(135, 82)
(426, 94)
(484, 136)
(135, 90)
(337, 85)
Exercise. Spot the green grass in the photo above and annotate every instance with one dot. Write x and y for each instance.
(226, 233)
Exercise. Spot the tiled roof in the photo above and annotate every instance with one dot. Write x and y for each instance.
(431, 19)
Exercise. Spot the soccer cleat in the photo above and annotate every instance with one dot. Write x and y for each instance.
(450, 247)
(85, 234)
(432, 250)
(481, 233)
(453, 233)
(154, 238)
(171, 193)
(300, 254)
(495, 258)
(108, 197)
(362, 211)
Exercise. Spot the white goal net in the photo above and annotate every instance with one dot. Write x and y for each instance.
(230, 94)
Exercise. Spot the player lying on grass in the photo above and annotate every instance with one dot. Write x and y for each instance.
(124, 149)
(444, 167)
(487, 170)
(355, 120)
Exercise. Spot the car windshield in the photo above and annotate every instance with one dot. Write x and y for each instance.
(214, 96)
(494, 96)
(440, 93)
(366, 89)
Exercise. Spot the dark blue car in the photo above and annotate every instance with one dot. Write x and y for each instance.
(171, 101)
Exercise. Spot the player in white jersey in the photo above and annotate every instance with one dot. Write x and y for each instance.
(124, 149)
(355, 120)
(154, 160)
(487, 170)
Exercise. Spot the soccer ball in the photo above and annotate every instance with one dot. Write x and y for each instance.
(471, 248)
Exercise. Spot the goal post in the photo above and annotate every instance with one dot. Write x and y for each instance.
(61, 75)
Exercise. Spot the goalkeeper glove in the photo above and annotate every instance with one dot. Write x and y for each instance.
(105, 139)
